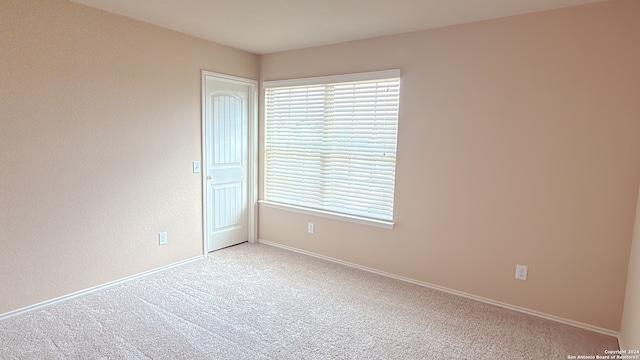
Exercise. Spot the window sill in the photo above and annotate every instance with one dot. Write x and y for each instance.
(331, 215)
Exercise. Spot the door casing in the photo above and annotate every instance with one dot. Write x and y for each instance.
(252, 161)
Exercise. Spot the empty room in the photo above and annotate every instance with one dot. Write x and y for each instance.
(355, 179)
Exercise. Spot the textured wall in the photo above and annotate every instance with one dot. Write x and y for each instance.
(99, 124)
(518, 143)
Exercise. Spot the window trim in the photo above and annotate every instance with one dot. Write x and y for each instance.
(333, 79)
(329, 214)
(323, 80)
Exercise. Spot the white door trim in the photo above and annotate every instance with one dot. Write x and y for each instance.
(252, 166)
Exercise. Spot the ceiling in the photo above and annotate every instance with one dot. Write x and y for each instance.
(267, 26)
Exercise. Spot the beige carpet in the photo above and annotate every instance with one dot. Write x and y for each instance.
(254, 301)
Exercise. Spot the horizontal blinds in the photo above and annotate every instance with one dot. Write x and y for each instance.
(333, 146)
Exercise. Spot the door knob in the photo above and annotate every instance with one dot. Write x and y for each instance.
(208, 177)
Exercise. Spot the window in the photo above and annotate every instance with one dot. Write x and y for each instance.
(330, 143)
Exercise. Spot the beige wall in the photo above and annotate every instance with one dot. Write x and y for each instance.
(99, 125)
(630, 328)
(518, 143)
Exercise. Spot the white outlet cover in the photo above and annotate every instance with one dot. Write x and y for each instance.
(163, 238)
(521, 272)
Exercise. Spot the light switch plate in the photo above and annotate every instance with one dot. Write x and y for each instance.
(196, 166)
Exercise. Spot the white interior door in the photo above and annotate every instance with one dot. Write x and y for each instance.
(227, 108)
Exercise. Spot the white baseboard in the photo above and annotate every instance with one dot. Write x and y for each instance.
(94, 289)
(451, 291)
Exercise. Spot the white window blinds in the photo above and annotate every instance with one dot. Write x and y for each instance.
(331, 143)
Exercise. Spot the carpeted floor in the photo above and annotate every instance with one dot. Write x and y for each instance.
(254, 301)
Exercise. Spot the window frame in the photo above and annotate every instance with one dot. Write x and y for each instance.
(327, 80)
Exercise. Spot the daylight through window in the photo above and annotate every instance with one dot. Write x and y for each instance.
(330, 143)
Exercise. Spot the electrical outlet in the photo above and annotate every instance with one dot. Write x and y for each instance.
(310, 228)
(163, 238)
(521, 272)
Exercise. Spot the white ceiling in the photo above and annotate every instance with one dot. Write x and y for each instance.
(266, 26)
